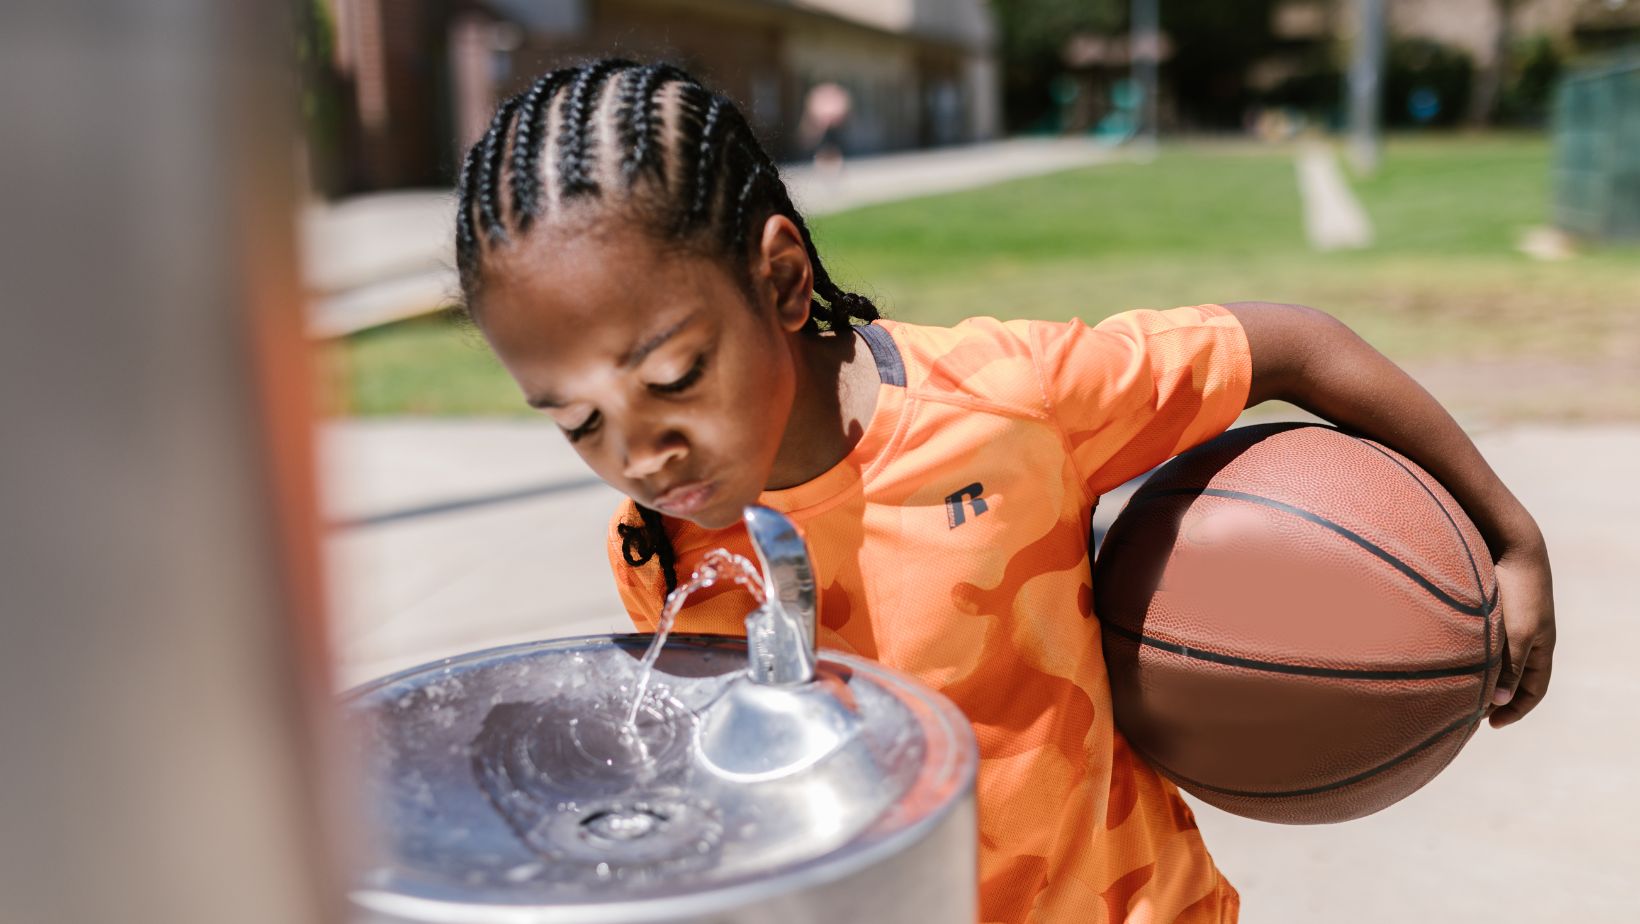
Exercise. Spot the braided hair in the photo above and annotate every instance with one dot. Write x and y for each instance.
(646, 143)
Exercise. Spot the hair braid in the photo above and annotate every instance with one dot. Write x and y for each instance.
(641, 543)
(466, 236)
(578, 130)
(638, 124)
(495, 147)
(743, 200)
(705, 176)
(526, 152)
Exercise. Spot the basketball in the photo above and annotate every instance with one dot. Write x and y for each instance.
(1299, 625)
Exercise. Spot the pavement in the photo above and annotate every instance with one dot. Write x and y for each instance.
(455, 535)
(374, 259)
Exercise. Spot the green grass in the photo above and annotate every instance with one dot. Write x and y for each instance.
(1443, 283)
(435, 365)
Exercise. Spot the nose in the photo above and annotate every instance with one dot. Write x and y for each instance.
(649, 453)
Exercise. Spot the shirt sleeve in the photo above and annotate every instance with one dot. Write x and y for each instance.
(641, 587)
(1142, 386)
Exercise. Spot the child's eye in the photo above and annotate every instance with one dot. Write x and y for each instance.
(683, 382)
(584, 429)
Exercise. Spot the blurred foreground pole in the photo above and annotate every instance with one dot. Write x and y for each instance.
(160, 659)
(1366, 85)
(1145, 48)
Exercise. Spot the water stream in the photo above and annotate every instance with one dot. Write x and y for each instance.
(718, 564)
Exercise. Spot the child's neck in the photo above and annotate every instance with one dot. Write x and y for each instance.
(836, 395)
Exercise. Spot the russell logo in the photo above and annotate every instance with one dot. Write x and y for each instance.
(954, 512)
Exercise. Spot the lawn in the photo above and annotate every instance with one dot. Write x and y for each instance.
(1443, 290)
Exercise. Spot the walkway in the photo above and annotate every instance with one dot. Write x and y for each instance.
(1333, 217)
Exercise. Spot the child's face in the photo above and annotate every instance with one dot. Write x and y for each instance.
(671, 385)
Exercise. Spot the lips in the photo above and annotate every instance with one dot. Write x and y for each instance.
(686, 498)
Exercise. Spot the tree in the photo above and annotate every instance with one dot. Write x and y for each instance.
(1483, 105)
(1033, 34)
(1213, 44)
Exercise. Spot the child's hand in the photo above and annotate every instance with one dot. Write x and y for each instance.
(1529, 620)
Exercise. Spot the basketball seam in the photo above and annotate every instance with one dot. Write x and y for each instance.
(1277, 667)
(1316, 790)
(1474, 569)
(1451, 602)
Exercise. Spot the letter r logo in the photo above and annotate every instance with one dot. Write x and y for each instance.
(953, 504)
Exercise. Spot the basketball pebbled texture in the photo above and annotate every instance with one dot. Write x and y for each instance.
(1299, 625)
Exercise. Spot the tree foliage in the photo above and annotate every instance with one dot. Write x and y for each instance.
(1213, 44)
(1032, 37)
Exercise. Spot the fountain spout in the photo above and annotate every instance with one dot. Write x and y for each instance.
(780, 635)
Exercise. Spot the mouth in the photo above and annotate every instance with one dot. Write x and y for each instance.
(686, 499)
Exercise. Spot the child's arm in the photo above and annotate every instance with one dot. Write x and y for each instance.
(1308, 358)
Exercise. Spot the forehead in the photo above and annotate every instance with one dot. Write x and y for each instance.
(594, 290)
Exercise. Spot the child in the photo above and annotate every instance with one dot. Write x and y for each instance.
(630, 253)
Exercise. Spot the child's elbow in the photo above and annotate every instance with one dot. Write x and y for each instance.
(1285, 313)
(1287, 342)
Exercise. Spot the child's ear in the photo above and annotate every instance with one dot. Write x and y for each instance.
(786, 272)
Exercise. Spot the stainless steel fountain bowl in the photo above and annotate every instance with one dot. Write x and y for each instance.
(500, 789)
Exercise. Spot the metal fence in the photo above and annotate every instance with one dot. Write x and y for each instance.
(1597, 149)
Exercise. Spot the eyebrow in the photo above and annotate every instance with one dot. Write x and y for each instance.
(631, 358)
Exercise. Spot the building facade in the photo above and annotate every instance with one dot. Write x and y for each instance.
(422, 77)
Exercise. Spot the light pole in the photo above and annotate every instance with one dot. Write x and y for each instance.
(1366, 85)
(1144, 44)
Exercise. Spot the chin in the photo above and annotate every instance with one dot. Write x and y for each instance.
(722, 514)
(725, 510)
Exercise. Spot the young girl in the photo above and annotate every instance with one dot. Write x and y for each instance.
(632, 256)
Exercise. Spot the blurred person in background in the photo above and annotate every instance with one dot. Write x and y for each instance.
(825, 112)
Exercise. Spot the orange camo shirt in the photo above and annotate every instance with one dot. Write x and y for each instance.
(952, 545)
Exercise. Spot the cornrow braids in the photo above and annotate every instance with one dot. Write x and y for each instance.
(495, 145)
(578, 130)
(526, 156)
(704, 173)
(637, 119)
(681, 160)
(466, 236)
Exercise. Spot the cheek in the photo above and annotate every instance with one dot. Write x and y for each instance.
(756, 404)
(602, 463)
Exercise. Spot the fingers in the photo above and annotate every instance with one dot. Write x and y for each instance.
(1528, 616)
(1534, 683)
(1510, 674)
(1519, 621)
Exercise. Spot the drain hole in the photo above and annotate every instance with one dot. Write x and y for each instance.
(623, 823)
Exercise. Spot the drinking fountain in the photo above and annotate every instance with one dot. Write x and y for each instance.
(762, 780)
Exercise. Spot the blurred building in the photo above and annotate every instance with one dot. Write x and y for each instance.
(419, 79)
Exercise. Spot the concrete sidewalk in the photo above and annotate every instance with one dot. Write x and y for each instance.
(375, 259)
(466, 534)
